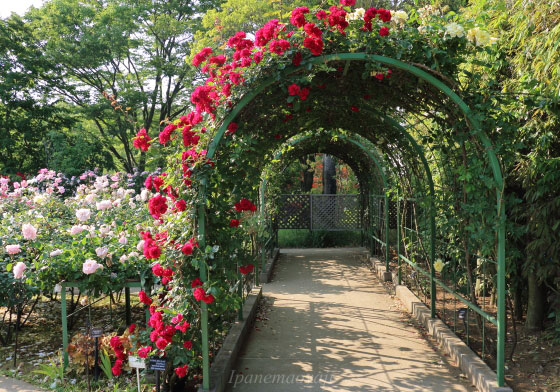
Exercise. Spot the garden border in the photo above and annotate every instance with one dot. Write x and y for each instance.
(266, 272)
(225, 359)
(476, 370)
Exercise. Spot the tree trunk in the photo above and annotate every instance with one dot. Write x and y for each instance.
(308, 173)
(329, 175)
(536, 304)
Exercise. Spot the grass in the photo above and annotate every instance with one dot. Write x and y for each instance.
(318, 239)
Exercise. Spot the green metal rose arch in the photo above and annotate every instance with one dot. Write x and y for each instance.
(475, 130)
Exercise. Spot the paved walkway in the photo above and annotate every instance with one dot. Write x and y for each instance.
(11, 385)
(333, 327)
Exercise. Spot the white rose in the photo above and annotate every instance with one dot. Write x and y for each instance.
(56, 252)
(454, 30)
(140, 246)
(83, 214)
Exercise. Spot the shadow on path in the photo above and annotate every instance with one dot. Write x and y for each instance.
(332, 327)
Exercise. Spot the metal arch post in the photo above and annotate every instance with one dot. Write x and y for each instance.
(399, 272)
(386, 208)
(204, 278)
(477, 130)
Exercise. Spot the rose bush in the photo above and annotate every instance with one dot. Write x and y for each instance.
(50, 235)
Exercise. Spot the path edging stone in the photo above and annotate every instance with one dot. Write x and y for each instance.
(221, 368)
(266, 273)
(481, 376)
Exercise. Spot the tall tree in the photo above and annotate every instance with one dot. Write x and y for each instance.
(127, 55)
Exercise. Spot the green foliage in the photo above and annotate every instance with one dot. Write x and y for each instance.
(53, 370)
(318, 239)
(105, 365)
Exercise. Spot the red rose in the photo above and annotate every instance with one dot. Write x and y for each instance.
(337, 18)
(321, 14)
(303, 93)
(117, 369)
(246, 269)
(144, 298)
(187, 344)
(201, 56)
(314, 44)
(296, 60)
(199, 294)
(142, 140)
(293, 89)
(234, 223)
(348, 3)
(384, 15)
(180, 205)
(384, 31)
(157, 206)
(197, 282)
(181, 371)
(298, 16)
(231, 128)
(148, 183)
(355, 109)
(161, 343)
(143, 351)
(182, 327)
(279, 46)
(208, 298)
(131, 328)
(157, 270)
(158, 182)
(187, 249)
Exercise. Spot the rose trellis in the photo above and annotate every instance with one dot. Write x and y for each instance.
(389, 77)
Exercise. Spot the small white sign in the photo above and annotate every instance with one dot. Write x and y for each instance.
(136, 362)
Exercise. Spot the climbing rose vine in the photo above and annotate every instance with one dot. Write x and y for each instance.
(174, 244)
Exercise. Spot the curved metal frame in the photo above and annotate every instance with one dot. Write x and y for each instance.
(476, 128)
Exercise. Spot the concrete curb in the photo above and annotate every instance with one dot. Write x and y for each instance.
(225, 360)
(481, 376)
(266, 273)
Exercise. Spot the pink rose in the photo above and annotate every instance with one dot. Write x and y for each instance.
(104, 205)
(76, 229)
(29, 232)
(101, 251)
(13, 249)
(90, 266)
(18, 270)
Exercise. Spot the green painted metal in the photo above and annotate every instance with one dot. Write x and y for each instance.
(399, 272)
(64, 325)
(420, 152)
(476, 130)
(386, 207)
(204, 278)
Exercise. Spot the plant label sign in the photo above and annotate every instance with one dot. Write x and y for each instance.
(158, 363)
(96, 332)
(136, 362)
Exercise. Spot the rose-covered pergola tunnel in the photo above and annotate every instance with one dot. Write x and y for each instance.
(365, 162)
(345, 95)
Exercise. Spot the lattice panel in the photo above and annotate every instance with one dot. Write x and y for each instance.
(335, 212)
(294, 212)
